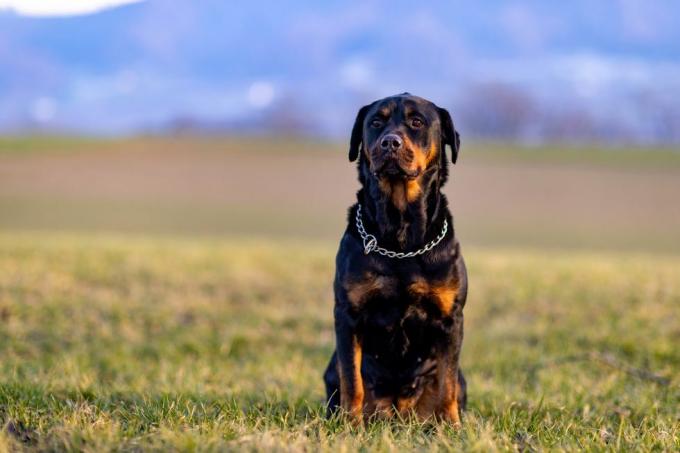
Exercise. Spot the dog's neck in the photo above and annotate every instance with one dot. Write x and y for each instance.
(402, 212)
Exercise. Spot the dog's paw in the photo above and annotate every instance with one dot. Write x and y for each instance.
(451, 415)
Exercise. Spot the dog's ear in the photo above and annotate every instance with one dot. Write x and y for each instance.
(449, 133)
(357, 133)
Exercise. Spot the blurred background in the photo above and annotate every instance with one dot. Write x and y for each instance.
(221, 118)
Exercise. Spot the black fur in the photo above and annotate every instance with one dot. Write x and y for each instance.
(403, 336)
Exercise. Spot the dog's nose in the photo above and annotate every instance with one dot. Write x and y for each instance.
(391, 142)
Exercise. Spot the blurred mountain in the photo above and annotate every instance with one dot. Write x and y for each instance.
(533, 71)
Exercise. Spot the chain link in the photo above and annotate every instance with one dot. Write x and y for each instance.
(371, 242)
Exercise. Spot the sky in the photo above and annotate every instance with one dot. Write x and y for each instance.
(606, 70)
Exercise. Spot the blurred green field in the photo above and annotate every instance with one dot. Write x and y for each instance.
(549, 197)
(113, 343)
(175, 294)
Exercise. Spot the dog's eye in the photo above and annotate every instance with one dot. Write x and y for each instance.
(417, 123)
(376, 123)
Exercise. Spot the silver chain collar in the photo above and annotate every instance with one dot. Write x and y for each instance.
(371, 243)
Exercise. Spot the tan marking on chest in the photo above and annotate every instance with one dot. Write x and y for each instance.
(401, 192)
(358, 291)
(442, 293)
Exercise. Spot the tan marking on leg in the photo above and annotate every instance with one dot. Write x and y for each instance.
(376, 408)
(352, 402)
(427, 405)
(407, 405)
(447, 393)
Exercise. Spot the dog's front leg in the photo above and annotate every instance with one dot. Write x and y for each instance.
(448, 390)
(348, 347)
(447, 372)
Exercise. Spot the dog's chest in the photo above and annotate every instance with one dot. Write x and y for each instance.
(403, 314)
(397, 296)
(402, 321)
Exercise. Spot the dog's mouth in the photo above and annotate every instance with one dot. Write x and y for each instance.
(391, 169)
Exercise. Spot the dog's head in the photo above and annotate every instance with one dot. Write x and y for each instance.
(401, 137)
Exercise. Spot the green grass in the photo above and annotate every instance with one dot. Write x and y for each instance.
(121, 343)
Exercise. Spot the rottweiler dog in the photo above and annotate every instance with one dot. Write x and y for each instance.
(400, 281)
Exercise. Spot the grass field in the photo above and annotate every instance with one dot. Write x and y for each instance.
(119, 343)
(551, 197)
(152, 299)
